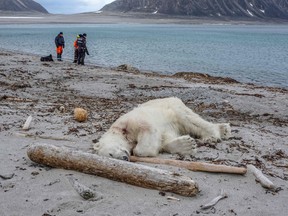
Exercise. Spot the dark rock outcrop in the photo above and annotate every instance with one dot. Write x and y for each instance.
(21, 6)
(205, 8)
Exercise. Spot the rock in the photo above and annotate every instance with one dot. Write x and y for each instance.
(128, 68)
(80, 115)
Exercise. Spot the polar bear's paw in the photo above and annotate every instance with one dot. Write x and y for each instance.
(220, 132)
(225, 131)
(184, 145)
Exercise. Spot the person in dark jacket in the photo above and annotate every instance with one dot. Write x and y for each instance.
(60, 45)
(76, 49)
(82, 48)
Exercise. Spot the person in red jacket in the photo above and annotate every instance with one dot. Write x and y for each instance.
(60, 44)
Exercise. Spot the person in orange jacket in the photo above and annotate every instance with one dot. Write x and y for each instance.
(60, 44)
(76, 49)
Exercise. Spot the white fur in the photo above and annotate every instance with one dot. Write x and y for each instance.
(156, 126)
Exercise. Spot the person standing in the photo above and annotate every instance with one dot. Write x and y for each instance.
(82, 48)
(76, 50)
(60, 45)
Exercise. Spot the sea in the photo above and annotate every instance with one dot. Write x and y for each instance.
(248, 53)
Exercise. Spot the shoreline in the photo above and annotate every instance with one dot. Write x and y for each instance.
(258, 117)
(200, 76)
(136, 18)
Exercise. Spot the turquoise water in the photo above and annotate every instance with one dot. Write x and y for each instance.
(255, 54)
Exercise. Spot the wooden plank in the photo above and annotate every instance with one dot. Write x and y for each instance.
(193, 166)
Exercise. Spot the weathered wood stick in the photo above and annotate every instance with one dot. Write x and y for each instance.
(42, 137)
(123, 171)
(264, 181)
(27, 123)
(8, 176)
(5, 97)
(193, 166)
(84, 191)
(213, 202)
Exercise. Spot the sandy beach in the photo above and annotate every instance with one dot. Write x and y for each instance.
(258, 117)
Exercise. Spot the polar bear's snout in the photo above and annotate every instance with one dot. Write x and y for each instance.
(125, 157)
(113, 152)
(114, 145)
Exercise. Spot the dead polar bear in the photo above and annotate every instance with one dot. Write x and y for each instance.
(160, 125)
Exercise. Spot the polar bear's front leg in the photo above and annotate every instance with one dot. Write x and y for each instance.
(184, 145)
(148, 143)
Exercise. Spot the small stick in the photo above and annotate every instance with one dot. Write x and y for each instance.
(9, 176)
(84, 191)
(172, 198)
(215, 200)
(280, 165)
(27, 123)
(15, 99)
(264, 181)
(41, 137)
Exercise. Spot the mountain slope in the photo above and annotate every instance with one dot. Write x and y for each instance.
(21, 6)
(207, 8)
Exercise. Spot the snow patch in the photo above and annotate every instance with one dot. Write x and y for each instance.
(250, 13)
(263, 11)
(251, 4)
(155, 12)
(21, 3)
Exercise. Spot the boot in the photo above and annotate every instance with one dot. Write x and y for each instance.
(75, 56)
(59, 57)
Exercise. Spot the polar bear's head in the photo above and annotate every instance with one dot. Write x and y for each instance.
(113, 145)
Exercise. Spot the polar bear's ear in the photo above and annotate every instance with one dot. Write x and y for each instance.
(96, 147)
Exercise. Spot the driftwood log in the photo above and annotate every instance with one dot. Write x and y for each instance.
(193, 166)
(123, 171)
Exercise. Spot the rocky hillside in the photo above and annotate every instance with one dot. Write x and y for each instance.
(21, 6)
(205, 8)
